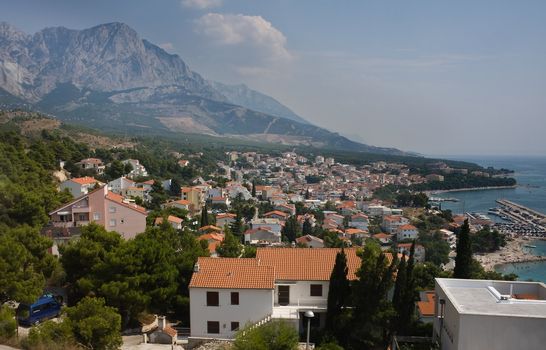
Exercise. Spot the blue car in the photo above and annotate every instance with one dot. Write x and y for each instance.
(46, 307)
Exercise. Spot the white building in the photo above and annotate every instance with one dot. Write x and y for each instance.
(280, 283)
(271, 223)
(138, 169)
(120, 185)
(480, 314)
(391, 223)
(228, 293)
(406, 232)
(79, 186)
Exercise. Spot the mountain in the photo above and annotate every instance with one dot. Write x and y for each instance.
(243, 96)
(108, 77)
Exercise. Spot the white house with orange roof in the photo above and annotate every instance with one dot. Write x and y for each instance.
(262, 235)
(272, 223)
(404, 248)
(391, 223)
(120, 184)
(359, 221)
(223, 219)
(214, 240)
(94, 164)
(105, 208)
(79, 186)
(310, 241)
(276, 214)
(406, 232)
(280, 283)
(174, 221)
(228, 293)
(180, 204)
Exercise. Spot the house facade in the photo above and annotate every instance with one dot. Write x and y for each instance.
(79, 186)
(406, 232)
(280, 283)
(405, 248)
(105, 208)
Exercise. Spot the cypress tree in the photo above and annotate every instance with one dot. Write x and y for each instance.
(204, 217)
(230, 246)
(338, 292)
(253, 189)
(307, 228)
(399, 288)
(407, 305)
(463, 260)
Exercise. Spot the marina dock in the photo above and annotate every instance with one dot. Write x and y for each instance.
(524, 221)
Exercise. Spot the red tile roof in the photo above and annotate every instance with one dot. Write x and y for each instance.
(210, 228)
(84, 180)
(232, 273)
(304, 264)
(426, 308)
(114, 197)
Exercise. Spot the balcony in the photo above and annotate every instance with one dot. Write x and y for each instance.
(292, 311)
(68, 224)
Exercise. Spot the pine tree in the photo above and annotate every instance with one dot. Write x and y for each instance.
(230, 246)
(372, 311)
(338, 294)
(204, 217)
(463, 260)
(291, 229)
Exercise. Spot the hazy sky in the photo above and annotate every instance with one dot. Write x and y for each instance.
(436, 77)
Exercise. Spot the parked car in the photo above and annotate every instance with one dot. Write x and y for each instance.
(46, 307)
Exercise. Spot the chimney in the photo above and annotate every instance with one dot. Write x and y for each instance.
(196, 267)
(161, 322)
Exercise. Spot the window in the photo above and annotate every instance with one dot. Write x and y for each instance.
(316, 290)
(112, 222)
(212, 299)
(112, 209)
(234, 326)
(96, 216)
(234, 298)
(81, 217)
(213, 327)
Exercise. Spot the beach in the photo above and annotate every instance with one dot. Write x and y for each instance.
(513, 252)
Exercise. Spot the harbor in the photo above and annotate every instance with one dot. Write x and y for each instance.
(520, 220)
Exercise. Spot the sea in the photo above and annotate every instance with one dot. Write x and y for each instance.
(530, 173)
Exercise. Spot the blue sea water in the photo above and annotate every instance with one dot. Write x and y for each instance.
(534, 270)
(530, 173)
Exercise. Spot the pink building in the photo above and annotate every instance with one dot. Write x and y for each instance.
(105, 208)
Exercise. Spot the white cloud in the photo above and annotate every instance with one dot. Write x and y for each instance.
(241, 31)
(167, 46)
(201, 4)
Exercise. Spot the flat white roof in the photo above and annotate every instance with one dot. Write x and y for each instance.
(496, 298)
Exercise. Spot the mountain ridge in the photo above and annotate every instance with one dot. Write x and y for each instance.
(107, 75)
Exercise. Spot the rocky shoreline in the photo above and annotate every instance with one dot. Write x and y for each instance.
(513, 252)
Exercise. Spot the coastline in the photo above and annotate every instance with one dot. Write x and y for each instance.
(472, 189)
(513, 252)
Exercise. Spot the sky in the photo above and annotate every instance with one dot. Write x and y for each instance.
(429, 76)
